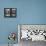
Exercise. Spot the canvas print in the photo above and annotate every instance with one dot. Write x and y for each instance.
(33, 32)
(29, 34)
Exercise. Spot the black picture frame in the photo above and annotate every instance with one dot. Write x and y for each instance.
(10, 12)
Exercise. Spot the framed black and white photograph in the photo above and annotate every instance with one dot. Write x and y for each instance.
(10, 12)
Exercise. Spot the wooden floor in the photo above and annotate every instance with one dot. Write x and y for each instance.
(30, 43)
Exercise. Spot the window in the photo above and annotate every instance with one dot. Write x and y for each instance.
(10, 12)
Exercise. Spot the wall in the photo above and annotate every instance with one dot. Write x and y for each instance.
(28, 12)
(33, 12)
